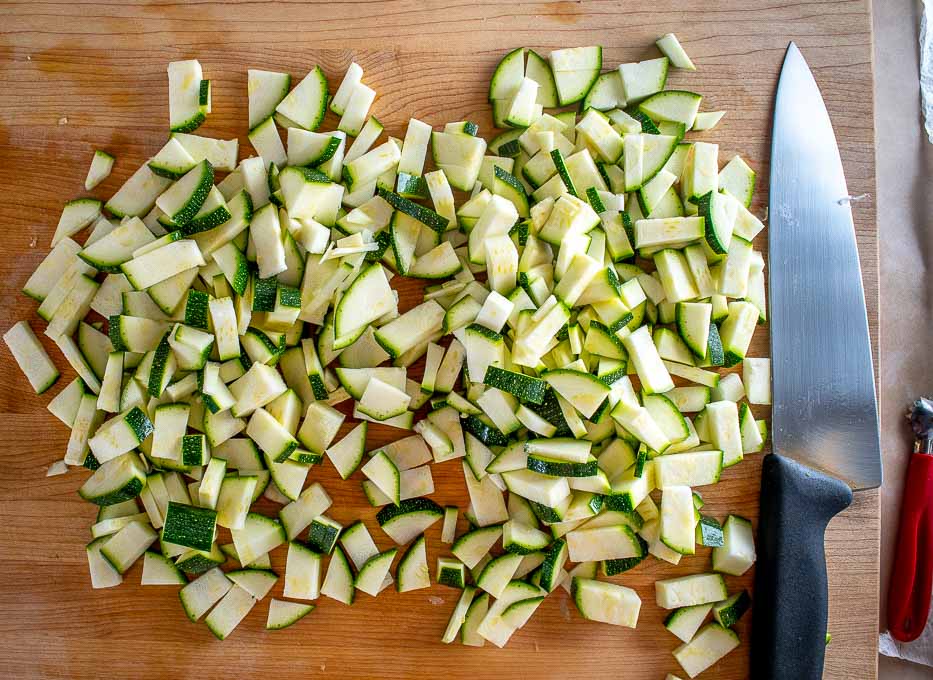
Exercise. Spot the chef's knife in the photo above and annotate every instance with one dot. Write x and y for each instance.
(825, 417)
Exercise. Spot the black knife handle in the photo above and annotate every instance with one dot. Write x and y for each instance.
(791, 598)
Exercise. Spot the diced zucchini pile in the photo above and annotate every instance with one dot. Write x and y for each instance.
(579, 304)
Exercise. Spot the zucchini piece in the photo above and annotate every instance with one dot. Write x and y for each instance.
(382, 472)
(687, 591)
(510, 612)
(539, 70)
(606, 93)
(159, 570)
(270, 435)
(475, 614)
(707, 120)
(737, 330)
(550, 573)
(283, 614)
(738, 180)
(350, 80)
(138, 194)
(548, 491)
(701, 174)
(603, 543)
(365, 300)
(585, 392)
(710, 644)
(31, 357)
(101, 165)
(121, 434)
(357, 109)
(677, 519)
(123, 548)
(172, 160)
(339, 582)
(151, 268)
(221, 153)
(234, 496)
(575, 71)
(676, 106)
(374, 572)
(728, 612)
(459, 156)
(643, 78)
(522, 539)
(86, 421)
(103, 574)
(257, 582)
(472, 546)
(190, 526)
(229, 612)
(76, 215)
(182, 201)
(306, 104)
(203, 593)
(186, 112)
(66, 403)
(298, 515)
(382, 401)
(756, 374)
(449, 530)
(258, 536)
(323, 534)
(451, 572)
(303, 569)
(44, 279)
(408, 519)
(347, 453)
(498, 573)
(686, 621)
(412, 572)
(507, 75)
(737, 554)
(265, 89)
(368, 167)
(672, 49)
(605, 602)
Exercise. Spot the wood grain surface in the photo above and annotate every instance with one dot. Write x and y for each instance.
(78, 76)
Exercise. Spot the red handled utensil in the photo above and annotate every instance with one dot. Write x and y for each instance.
(912, 579)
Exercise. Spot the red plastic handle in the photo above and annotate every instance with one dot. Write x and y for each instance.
(912, 578)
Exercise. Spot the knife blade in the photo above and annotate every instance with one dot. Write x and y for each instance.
(824, 415)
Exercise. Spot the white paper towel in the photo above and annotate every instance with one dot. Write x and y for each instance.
(921, 649)
(918, 651)
(926, 66)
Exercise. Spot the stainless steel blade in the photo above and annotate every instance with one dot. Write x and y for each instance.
(825, 413)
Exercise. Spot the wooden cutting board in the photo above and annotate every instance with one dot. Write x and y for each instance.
(79, 76)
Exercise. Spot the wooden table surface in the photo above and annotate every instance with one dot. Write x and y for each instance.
(84, 75)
